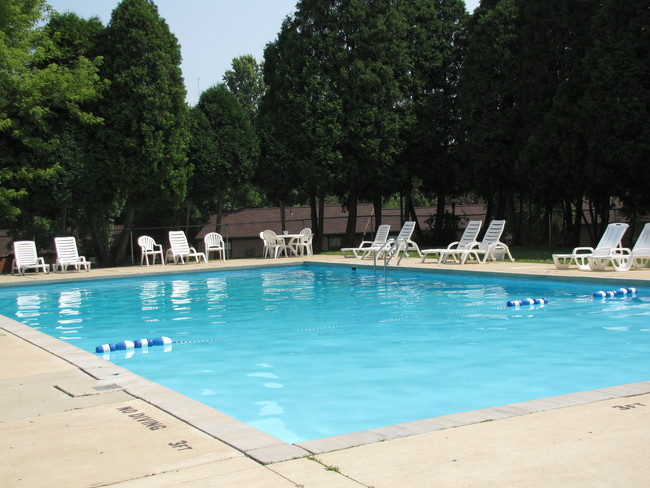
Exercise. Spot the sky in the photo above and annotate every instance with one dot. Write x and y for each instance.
(211, 33)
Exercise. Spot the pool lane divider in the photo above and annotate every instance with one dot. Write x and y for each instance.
(137, 344)
(527, 301)
(621, 292)
(165, 341)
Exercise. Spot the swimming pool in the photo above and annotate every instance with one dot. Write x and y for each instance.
(312, 351)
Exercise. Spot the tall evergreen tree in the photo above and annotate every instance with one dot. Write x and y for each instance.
(300, 101)
(616, 103)
(146, 135)
(555, 38)
(224, 149)
(436, 37)
(487, 88)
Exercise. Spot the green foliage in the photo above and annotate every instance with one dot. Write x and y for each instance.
(246, 82)
(224, 148)
(487, 96)
(615, 107)
(146, 115)
(36, 90)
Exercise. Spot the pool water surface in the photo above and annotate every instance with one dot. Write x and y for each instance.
(312, 351)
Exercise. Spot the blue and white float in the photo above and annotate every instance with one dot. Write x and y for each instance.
(137, 344)
(621, 292)
(527, 301)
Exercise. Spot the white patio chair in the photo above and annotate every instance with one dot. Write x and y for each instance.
(214, 243)
(148, 247)
(67, 254)
(467, 240)
(589, 258)
(303, 245)
(489, 247)
(274, 244)
(180, 249)
(26, 257)
(401, 245)
(638, 256)
(368, 248)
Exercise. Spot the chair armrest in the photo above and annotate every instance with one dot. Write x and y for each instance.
(453, 245)
(586, 250)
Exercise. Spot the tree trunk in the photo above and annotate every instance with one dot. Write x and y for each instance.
(577, 222)
(97, 222)
(318, 247)
(219, 214)
(440, 214)
(412, 215)
(376, 206)
(313, 210)
(283, 220)
(351, 227)
(125, 236)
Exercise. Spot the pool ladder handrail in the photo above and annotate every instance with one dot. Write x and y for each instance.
(390, 249)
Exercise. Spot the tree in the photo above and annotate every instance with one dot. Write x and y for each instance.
(144, 157)
(487, 92)
(224, 149)
(299, 101)
(436, 35)
(35, 92)
(616, 104)
(360, 48)
(246, 82)
(555, 38)
(65, 195)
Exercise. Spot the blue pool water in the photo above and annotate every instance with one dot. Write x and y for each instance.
(308, 352)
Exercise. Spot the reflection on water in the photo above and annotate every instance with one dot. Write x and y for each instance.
(28, 306)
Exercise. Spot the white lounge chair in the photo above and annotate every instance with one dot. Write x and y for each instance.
(214, 243)
(589, 258)
(148, 247)
(367, 248)
(638, 256)
(400, 245)
(274, 244)
(26, 257)
(467, 240)
(489, 247)
(180, 249)
(68, 255)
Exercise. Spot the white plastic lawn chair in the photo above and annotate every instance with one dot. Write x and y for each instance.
(214, 243)
(148, 247)
(303, 244)
(401, 245)
(67, 254)
(467, 240)
(26, 257)
(489, 247)
(274, 244)
(638, 257)
(180, 249)
(589, 258)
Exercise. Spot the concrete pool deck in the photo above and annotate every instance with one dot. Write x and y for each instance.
(70, 418)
